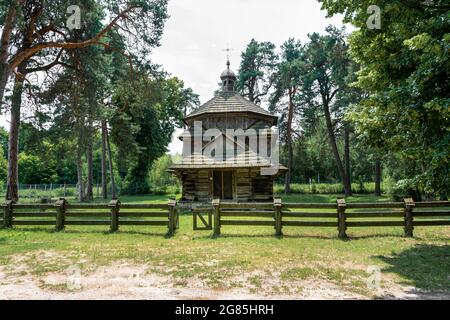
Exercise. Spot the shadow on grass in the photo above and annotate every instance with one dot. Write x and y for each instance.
(379, 235)
(207, 234)
(426, 267)
(91, 232)
(262, 236)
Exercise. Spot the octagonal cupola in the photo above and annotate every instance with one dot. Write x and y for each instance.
(228, 79)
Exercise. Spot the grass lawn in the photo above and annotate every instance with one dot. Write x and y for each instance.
(247, 259)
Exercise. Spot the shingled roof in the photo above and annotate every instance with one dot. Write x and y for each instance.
(247, 159)
(230, 102)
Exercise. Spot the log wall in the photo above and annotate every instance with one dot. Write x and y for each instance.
(248, 185)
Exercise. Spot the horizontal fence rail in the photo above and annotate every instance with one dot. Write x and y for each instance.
(342, 216)
(113, 214)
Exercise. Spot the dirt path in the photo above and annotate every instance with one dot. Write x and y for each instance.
(125, 281)
(133, 282)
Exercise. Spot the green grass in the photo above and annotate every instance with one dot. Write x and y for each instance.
(329, 188)
(252, 253)
(330, 198)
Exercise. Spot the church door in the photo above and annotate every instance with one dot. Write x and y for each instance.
(223, 185)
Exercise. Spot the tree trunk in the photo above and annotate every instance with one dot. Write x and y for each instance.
(103, 164)
(251, 91)
(287, 185)
(8, 25)
(347, 154)
(90, 166)
(335, 151)
(111, 171)
(81, 194)
(378, 178)
(12, 192)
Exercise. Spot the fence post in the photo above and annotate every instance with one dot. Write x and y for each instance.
(277, 206)
(172, 217)
(60, 214)
(177, 215)
(114, 205)
(342, 219)
(408, 216)
(8, 213)
(216, 208)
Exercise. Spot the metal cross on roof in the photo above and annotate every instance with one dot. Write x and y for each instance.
(228, 50)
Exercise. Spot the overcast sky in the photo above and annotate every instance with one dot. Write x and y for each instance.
(198, 31)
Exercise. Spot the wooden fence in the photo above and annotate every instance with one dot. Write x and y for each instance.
(114, 214)
(340, 215)
(202, 218)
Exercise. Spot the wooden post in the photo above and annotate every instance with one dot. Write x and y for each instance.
(342, 219)
(172, 217)
(194, 219)
(60, 214)
(177, 214)
(114, 205)
(408, 216)
(8, 213)
(277, 207)
(216, 208)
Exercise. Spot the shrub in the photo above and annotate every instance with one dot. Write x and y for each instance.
(406, 188)
(70, 192)
(136, 188)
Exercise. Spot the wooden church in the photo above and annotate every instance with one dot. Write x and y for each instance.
(237, 178)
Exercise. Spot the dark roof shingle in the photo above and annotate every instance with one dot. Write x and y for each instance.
(227, 102)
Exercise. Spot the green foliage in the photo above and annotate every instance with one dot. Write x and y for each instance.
(404, 70)
(162, 181)
(313, 159)
(154, 107)
(331, 188)
(256, 72)
(50, 150)
(288, 79)
(4, 135)
(3, 167)
(32, 169)
(405, 188)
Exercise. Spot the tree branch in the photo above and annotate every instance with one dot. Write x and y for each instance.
(130, 61)
(50, 65)
(32, 25)
(333, 94)
(25, 54)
